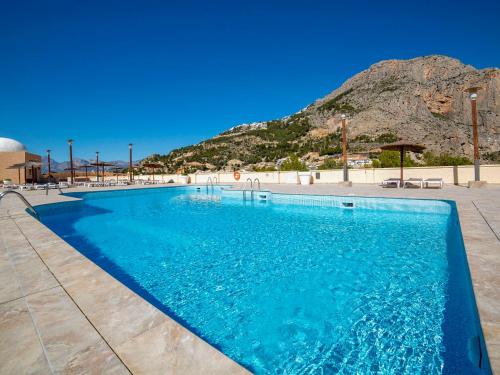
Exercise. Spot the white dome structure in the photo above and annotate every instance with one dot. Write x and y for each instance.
(11, 145)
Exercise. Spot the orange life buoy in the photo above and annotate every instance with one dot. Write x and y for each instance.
(236, 175)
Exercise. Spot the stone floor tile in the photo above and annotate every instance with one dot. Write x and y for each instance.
(71, 343)
(20, 348)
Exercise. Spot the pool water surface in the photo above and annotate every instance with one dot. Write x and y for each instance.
(284, 287)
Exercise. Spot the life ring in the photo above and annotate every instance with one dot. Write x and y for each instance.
(236, 175)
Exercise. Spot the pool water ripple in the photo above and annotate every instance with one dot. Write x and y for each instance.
(281, 288)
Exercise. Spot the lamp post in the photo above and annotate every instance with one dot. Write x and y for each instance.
(475, 138)
(344, 148)
(70, 143)
(473, 102)
(130, 170)
(97, 165)
(48, 164)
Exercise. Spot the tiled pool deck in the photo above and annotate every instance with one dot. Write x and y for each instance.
(60, 313)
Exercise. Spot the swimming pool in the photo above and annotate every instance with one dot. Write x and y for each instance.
(292, 284)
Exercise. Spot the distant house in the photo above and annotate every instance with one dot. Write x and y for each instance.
(17, 164)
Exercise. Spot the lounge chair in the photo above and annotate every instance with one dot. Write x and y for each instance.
(414, 182)
(26, 187)
(436, 182)
(8, 184)
(391, 182)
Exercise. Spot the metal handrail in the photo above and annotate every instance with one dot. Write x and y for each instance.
(211, 184)
(257, 180)
(245, 191)
(23, 199)
(47, 189)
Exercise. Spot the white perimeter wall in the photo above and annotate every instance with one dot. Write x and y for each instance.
(450, 175)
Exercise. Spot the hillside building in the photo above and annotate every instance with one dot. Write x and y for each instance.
(17, 164)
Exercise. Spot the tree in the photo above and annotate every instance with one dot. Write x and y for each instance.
(293, 164)
(331, 164)
(444, 159)
(391, 159)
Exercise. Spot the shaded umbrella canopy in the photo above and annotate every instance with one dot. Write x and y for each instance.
(398, 146)
(28, 164)
(102, 164)
(402, 147)
(86, 167)
(153, 166)
(117, 171)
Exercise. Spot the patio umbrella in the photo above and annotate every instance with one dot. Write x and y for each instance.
(18, 166)
(402, 147)
(29, 164)
(153, 166)
(117, 171)
(102, 164)
(71, 170)
(86, 167)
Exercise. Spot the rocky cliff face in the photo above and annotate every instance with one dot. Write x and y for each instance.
(422, 100)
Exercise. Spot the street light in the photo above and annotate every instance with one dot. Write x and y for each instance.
(344, 148)
(70, 143)
(473, 102)
(475, 139)
(48, 164)
(130, 170)
(97, 165)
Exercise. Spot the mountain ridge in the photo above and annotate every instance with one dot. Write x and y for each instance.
(422, 100)
(56, 166)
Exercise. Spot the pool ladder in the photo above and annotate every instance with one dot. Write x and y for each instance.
(252, 183)
(211, 181)
(26, 203)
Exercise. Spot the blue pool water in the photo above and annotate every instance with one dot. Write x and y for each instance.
(292, 286)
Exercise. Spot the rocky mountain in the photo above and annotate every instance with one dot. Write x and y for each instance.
(56, 166)
(422, 100)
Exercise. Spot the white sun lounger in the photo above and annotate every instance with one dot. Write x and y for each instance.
(436, 182)
(26, 187)
(413, 182)
(391, 182)
(8, 184)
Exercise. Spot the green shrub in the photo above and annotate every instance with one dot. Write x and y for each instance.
(336, 105)
(439, 116)
(386, 138)
(493, 156)
(331, 164)
(264, 169)
(293, 164)
(444, 159)
(391, 159)
(363, 138)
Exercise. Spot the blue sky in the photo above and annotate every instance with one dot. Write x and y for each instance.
(163, 74)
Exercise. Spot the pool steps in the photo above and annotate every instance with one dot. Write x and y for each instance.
(344, 202)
